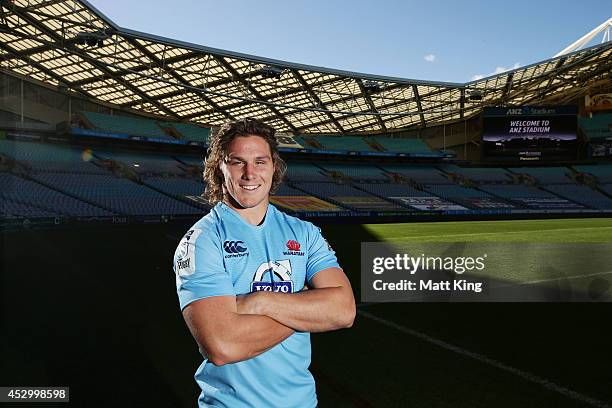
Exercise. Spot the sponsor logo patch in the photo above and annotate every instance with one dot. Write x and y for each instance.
(279, 273)
(184, 257)
(235, 249)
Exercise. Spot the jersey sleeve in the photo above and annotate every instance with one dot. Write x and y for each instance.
(320, 254)
(198, 266)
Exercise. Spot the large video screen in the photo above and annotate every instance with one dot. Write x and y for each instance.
(530, 133)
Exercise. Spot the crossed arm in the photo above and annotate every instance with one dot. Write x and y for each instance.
(231, 329)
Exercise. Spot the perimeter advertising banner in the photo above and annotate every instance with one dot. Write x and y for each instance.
(530, 133)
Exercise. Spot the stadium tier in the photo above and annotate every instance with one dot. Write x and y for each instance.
(479, 174)
(370, 143)
(546, 175)
(293, 199)
(531, 197)
(402, 145)
(602, 173)
(39, 157)
(308, 142)
(28, 198)
(120, 195)
(598, 126)
(143, 127)
(190, 131)
(190, 160)
(125, 125)
(142, 163)
(356, 172)
(10, 209)
(469, 197)
(348, 196)
(390, 190)
(419, 174)
(607, 188)
(411, 197)
(41, 180)
(454, 191)
(179, 187)
(342, 143)
(305, 172)
(581, 194)
(92, 124)
(118, 126)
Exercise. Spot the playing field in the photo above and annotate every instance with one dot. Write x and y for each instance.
(468, 354)
(564, 230)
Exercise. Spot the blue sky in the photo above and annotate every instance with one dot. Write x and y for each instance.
(431, 40)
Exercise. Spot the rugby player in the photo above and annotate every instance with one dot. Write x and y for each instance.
(254, 282)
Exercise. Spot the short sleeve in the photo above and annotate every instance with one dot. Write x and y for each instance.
(198, 266)
(320, 254)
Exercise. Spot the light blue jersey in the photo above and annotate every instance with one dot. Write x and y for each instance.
(221, 255)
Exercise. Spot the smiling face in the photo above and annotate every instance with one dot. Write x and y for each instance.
(248, 169)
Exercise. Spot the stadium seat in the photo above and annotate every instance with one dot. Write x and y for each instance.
(23, 197)
(598, 126)
(402, 145)
(479, 174)
(358, 172)
(55, 158)
(143, 163)
(546, 175)
(126, 125)
(118, 194)
(582, 194)
(603, 173)
(190, 131)
(419, 174)
(531, 197)
(349, 197)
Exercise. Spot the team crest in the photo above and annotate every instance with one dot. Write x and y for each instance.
(293, 248)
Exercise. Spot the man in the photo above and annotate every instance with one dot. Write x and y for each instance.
(253, 282)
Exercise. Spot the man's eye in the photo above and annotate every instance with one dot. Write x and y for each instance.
(261, 162)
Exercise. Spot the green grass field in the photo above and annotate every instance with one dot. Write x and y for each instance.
(564, 230)
(467, 354)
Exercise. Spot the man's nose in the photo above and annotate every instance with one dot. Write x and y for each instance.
(249, 171)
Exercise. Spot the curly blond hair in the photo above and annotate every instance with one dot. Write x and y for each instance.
(217, 151)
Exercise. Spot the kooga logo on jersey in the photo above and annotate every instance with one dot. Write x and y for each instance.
(236, 249)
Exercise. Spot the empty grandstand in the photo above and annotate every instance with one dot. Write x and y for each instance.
(133, 183)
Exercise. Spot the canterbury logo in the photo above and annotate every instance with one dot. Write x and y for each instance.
(234, 247)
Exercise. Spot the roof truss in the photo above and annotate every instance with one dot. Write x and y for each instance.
(188, 82)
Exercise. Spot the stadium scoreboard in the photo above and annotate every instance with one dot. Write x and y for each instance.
(529, 133)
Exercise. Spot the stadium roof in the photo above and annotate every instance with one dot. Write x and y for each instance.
(71, 45)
